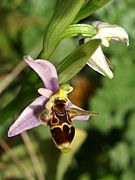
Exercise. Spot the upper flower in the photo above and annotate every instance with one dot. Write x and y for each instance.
(52, 108)
(105, 32)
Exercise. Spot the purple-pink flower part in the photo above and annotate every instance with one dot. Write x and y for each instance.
(52, 107)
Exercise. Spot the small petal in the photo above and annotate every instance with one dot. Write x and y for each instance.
(109, 31)
(98, 63)
(46, 71)
(28, 118)
(45, 92)
(78, 113)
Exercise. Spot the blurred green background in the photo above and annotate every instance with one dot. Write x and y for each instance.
(104, 147)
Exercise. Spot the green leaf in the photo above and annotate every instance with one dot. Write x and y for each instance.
(90, 8)
(74, 62)
(79, 29)
(65, 13)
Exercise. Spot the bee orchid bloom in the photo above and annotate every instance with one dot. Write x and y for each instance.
(52, 107)
(105, 32)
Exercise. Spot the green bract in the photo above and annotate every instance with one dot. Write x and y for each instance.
(62, 18)
(89, 9)
(79, 29)
(74, 62)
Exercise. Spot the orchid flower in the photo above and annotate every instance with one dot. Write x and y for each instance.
(52, 107)
(105, 32)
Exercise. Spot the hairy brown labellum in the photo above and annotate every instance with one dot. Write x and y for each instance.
(61, 126)
(59, 119)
